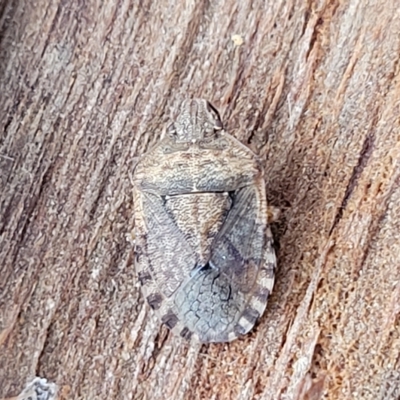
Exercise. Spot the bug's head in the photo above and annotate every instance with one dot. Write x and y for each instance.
(197, 119)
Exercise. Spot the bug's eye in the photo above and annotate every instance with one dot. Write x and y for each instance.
(217, 120)
(171, 130)
(218, 125)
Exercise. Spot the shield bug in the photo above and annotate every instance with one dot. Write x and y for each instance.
(204, 254)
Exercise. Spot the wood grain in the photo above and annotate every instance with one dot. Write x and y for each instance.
(87, 86)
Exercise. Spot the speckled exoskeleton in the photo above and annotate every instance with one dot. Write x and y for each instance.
(204, 254)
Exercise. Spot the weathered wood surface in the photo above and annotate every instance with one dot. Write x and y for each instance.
(87, 86)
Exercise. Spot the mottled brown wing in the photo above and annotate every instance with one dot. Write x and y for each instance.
(238, 249)
(169, 257)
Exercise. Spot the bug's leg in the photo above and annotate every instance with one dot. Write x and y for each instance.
(273, 214)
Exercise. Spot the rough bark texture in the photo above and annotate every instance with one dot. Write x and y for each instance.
(87, 86)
